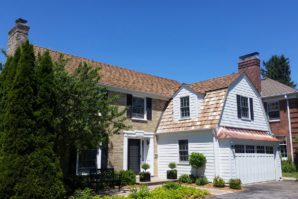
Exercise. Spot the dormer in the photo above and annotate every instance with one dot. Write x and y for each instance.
(186, 104)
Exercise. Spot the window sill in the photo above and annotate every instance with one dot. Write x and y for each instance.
(183, 164)
(276, 120)
(184, 118)
(246, 119)
(139, 119)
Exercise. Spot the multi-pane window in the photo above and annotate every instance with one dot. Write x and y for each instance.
(184, 107)
(183, 150)
(239, 148)
(87, 160)
(283, 149)
(273, 110)
(260, 149)
(250, 149)
(244, 107)
(269, 149)
(138, 107)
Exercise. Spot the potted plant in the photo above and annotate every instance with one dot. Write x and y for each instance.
(144, 175)
(172, 174)
(197, 161)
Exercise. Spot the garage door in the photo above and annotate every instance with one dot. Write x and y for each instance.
(254, 163)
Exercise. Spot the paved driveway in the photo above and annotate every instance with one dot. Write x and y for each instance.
(271, 190)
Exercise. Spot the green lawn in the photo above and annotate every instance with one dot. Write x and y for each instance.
(293, 175)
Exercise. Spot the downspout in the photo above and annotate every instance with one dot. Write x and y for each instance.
(290, 128)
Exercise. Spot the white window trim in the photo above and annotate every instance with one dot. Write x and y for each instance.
(248, 104)
(145, 108)
(272, 120)
(183, 162)
(286, 144)
(180, 115)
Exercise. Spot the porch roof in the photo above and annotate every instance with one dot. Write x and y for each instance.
(245, 134)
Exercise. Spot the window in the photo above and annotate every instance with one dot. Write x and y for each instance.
(239, 148)
(138, 107)
(183, 150)
(269, 149)
(260, 149)
(250, 149)
(244, 107)
(283, 149)
(273, 110)
(184, 107)
(87, 160)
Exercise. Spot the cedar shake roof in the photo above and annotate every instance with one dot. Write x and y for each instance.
(214, 84)
(209, 115)
(271, 87)
(119, 77)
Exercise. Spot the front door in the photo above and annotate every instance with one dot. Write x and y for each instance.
(134, 155)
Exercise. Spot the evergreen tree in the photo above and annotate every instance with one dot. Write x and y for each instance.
(278, 68)
(28, 167)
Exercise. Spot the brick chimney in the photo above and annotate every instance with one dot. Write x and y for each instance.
(17, 35)
(250, 64)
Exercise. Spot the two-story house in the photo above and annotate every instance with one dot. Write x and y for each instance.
(281, 105)
(223, 118)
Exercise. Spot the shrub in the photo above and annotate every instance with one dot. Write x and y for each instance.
(145, 166)
(185, 179)
(202, 181)
(172, 185)
(235, 183)
(143, 192)
(172, 165)
(126, 177)
(197, 160)
(288, 166)
(218, 182)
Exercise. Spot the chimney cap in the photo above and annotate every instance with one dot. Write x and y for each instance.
(21, 20)
(249, 56)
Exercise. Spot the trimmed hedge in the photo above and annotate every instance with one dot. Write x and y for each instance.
(218, 182)
(127, 177)
(235, 183)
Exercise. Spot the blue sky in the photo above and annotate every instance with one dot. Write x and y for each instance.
(188, 40)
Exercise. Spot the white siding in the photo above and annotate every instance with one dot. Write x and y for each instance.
(195, 102)
(230, 118)
(226, 160)
(168, 151)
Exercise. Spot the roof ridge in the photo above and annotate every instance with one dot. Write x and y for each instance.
(99, 62)
(214, 78)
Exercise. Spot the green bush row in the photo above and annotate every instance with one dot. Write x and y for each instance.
(288, 166)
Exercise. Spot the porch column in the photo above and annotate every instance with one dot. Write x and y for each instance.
(151, 155)
(125, 145)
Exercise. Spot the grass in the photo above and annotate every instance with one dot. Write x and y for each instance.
(292, 175)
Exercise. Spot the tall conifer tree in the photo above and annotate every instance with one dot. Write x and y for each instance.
(28, 167)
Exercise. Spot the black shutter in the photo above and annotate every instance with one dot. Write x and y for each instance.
(238, 106)
(251, 102)
(265, 106)
(129, 105)
(149, 108)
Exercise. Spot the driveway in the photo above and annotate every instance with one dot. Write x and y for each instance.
(270, 190)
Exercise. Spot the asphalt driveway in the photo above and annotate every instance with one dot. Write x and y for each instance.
(270, 190)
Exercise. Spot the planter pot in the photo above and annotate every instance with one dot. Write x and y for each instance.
(172, 174)
(145, 177)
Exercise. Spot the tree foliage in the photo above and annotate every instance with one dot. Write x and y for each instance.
(28, 165)
(278, 68)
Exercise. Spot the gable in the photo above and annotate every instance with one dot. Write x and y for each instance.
(229, 118)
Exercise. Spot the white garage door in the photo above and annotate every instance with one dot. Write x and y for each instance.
(254, 163)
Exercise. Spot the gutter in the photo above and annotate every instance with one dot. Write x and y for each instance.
(290, 128)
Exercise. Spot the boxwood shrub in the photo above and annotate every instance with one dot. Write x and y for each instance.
(185, 179)
(127, 177)
(202, 181)
(218, 182)
(235, 183)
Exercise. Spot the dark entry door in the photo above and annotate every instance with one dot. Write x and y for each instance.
(134, 155)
